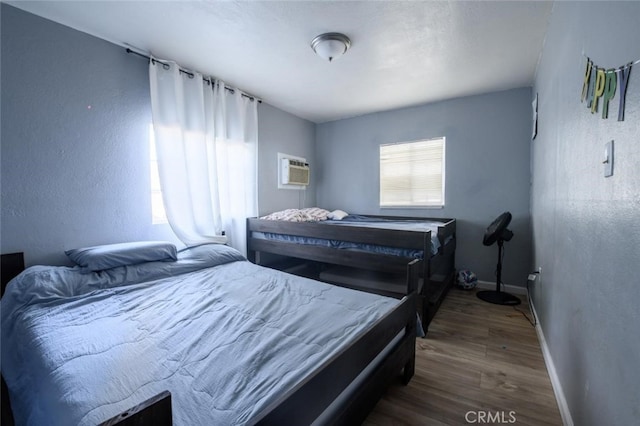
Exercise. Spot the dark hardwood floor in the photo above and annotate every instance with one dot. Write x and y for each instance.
(479, 362)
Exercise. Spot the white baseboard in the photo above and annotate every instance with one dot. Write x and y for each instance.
(515, 289)
(553, 375)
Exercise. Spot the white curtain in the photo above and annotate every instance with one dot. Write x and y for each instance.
(206, 141)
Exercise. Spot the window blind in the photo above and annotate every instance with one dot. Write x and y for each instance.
(412, 174)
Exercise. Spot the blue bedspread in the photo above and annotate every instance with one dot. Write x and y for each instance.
(224, 336)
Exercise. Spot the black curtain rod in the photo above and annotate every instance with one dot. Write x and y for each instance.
(190, 74)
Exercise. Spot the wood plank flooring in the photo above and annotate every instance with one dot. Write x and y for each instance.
(477, 357)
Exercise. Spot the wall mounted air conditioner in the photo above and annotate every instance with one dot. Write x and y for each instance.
(294, 172)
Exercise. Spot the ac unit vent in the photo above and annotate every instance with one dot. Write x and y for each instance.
(295, 172)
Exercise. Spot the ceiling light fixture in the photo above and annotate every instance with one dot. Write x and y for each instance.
(330, 46)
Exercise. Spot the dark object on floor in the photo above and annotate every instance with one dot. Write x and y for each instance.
(498, 232)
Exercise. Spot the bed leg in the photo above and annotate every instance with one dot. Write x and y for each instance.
(251, 256)
(409, 369)
(424, 313)
(425, 323)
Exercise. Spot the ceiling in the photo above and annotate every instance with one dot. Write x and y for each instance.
(403, 53)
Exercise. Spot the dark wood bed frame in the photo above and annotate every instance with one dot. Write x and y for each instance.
(309, 399)
(438, 271)
(11, 265)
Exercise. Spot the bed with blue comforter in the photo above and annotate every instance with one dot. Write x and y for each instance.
(232, 341)
(358, 244)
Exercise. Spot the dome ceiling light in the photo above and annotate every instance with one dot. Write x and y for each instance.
(330, 46)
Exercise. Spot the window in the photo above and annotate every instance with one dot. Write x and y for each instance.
(412, 174)
(158, 214)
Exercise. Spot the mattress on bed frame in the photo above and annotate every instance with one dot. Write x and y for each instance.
(377, 223)
(137, 321)
(393, 248)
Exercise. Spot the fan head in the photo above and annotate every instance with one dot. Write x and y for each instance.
(498, 230)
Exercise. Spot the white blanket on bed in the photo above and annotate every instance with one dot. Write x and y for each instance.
(225, 341)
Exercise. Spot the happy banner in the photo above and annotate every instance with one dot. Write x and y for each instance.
(603, 83)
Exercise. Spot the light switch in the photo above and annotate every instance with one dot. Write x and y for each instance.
(608, 159)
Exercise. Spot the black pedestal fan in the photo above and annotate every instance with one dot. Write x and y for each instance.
(497, 232)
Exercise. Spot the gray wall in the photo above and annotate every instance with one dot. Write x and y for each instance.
(282, 132)
(75, 123)
(586, 228)
(72, 175)
(487, 170)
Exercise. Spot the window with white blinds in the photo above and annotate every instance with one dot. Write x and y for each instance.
(412, 174)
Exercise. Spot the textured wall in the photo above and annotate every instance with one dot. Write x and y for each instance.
(586, 228)
(282, 132)
(75, 145)
(487, 170)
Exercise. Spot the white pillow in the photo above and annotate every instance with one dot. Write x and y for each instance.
(337, 215)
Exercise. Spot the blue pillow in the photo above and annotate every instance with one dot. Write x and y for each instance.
(109, 256)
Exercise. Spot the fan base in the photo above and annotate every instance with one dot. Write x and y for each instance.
(498, 297)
